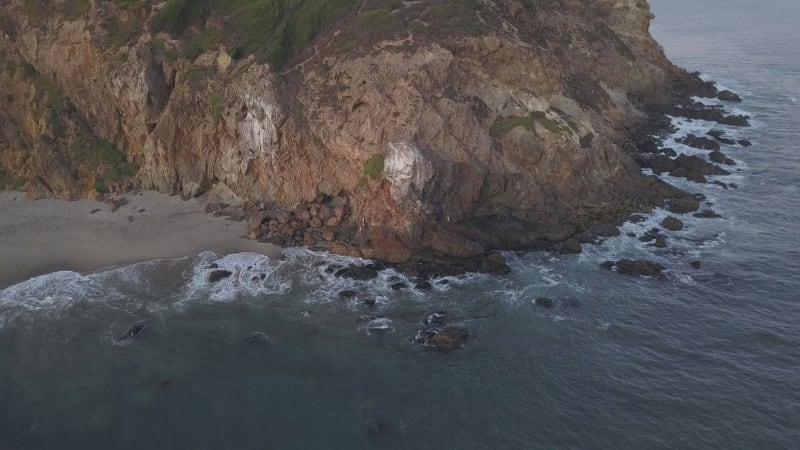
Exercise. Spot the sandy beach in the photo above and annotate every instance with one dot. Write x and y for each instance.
(43, 236)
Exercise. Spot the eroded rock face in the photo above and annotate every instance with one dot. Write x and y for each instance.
(444, 145)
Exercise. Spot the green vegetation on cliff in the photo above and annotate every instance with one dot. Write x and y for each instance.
(504, 125)
(110, 163)
(11, 183)
(373, 167)
(272, 30)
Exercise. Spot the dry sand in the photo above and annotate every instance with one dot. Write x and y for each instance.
(43, 236)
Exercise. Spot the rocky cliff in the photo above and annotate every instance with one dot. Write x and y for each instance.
(404, 131)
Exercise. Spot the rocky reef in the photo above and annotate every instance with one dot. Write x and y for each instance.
(416, 133)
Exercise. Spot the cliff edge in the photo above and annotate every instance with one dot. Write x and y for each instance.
(412, 132)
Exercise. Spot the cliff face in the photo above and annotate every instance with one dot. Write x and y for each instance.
(450, 128)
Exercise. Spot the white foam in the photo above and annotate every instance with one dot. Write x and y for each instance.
(251, 273)
(708, 101)
(381, 325)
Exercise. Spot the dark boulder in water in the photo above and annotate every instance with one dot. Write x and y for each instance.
(219, 274)
(357, 272)
(700, 142)
(672, 224)
(699, 111)
(594, 235)
(370, 302)
(544, 302)
(736, 120)
(707, 214)
(696, 165)
(719, 157)
(640, 267)
(658, 163)
(683, 204)
(333, 268)
(399, 286)
(257, 338)
(744, 142)
(423, 285)
(720, 136)
(661, 242)
(720, 184)
(651, 235)
(438, 318)
(637, 218)
(445, 340)
(669, 152)
(695, 264)
(572, 245)
(728, 96)
(648, 145)
(133, 331)
(347, 294)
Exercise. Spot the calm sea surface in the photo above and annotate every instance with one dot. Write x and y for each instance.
(709, 359)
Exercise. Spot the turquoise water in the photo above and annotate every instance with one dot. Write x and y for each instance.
(707, 359)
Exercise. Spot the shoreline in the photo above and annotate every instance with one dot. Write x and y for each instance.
(44, 236)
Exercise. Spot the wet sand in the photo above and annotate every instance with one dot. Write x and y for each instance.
(43, 236)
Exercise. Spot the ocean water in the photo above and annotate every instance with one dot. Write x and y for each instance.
(708, 359)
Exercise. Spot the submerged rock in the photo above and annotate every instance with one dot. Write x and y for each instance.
(544, 302)
(357, 272)
(438, 318)
(707, 214)
(257, 338)
(219, 274)
(423, 285)
(399, 286)
(640, 267)
(347, 294)
(700, 142)
(445, 340)
(380, 325)
(720, 136)
(719, 157)
(135, 330)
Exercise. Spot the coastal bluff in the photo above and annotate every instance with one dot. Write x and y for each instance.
(411, 132)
